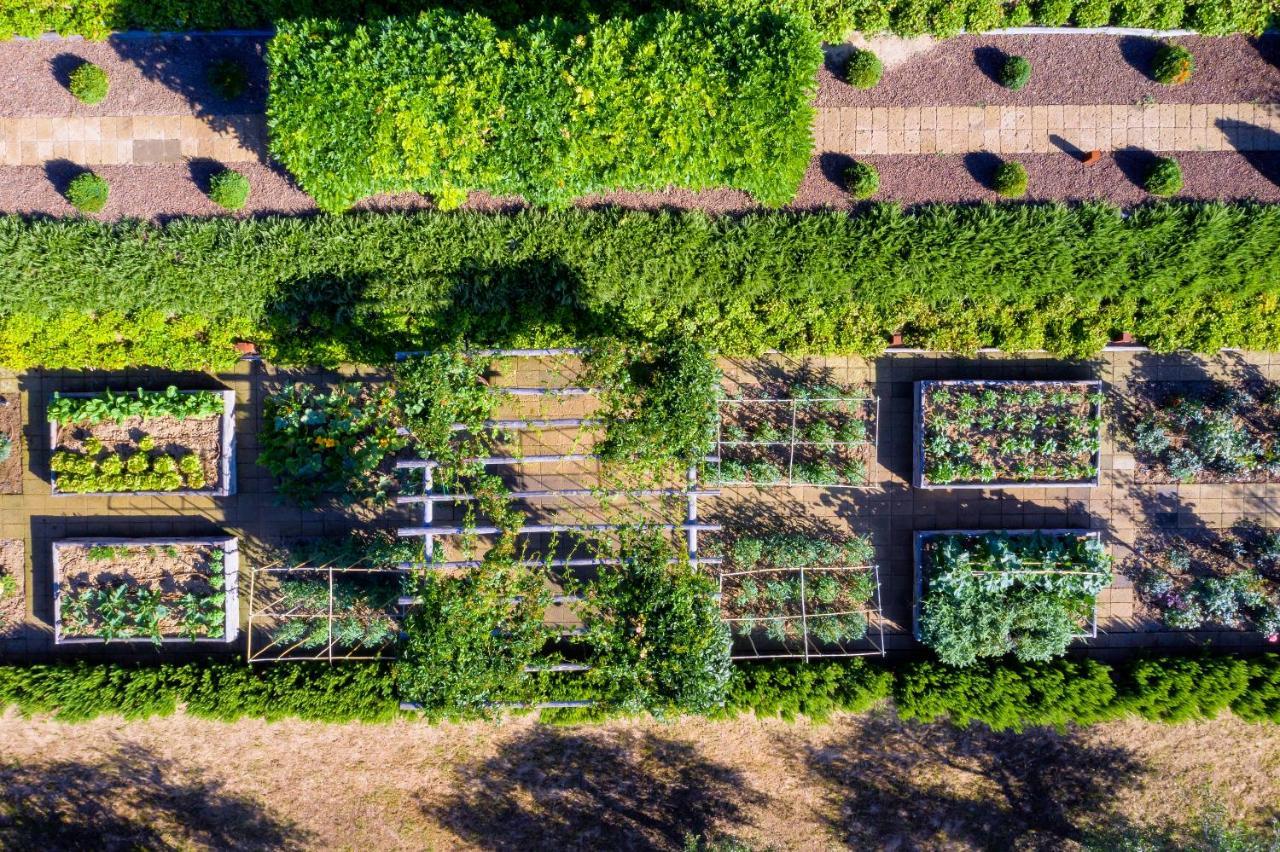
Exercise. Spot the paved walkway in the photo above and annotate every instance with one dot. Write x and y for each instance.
(859, 131)
(125, 140)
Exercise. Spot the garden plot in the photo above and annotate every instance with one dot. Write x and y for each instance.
(147, 442)
(146, 590)
(991, 593)
(790, 595)
(1210, 580)
(818, 435)
(1204, 432)
(13, 587)
(1000, 434)
(10, 443)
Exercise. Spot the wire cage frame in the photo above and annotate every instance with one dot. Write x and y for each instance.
(793, 441)
(263, 618)
(922, 536)
(811, 648)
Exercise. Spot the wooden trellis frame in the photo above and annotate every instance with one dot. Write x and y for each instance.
(789, 446)
(811, 648)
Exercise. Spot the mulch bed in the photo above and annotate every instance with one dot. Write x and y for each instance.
(11, 425)
(13, 608)
(1066, 69)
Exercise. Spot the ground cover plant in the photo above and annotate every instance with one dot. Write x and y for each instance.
(166, 440)
(998, 433)
(1211, 579)
(1204, 431)
(316, 290)
(135, 590)
(550, 110)
(991, 594)
(790, 594)
(814, 433)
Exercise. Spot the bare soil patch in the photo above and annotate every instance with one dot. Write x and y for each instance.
(13, 588)
(11, 428)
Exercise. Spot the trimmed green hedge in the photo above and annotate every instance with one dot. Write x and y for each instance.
(445, 104)
(834, 19)
(81, 294)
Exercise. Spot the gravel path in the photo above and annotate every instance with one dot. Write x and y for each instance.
(160, 192)
(1066, 69)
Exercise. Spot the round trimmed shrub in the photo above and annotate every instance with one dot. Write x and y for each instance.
(88, 83)
(229, 189)
(862, 180)
(1165, 177)
(1173, 65)
(228, 78)
(1015, 73)
(1010, 180)
(87, 192)
(863, 69)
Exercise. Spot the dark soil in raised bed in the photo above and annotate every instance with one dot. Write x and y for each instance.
(13, 607)
(1065, 69)
(199, 435)
(11, 426)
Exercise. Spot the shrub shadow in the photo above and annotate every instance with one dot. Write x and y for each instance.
(1247, 138)
(62, 65)
(982, 166)
(60, 173)
(1135, 164)
(834, 166)
(989, 61)
(1140, 53)
(202, 170)
(552, 788)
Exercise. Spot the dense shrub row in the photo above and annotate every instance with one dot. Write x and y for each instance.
(1003, 695)
(358, 287)
(833, 18)
(445, 104)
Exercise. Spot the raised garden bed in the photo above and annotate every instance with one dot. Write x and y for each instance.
(166, 591)
(819, 435)
(987, 593)
(145, 442)
(1210, 579)
(1003, 434)
(13, 587)
(10, 443)
(792, 595)
(1204, 432)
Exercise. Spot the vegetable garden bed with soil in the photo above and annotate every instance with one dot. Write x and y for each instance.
(13, 587)
(147, 442)
(791, 595)
(1205, 432)
(10, 443)
(1210, 579)
(999, 434)
(987, 593)
(146, 590)
(819, 435)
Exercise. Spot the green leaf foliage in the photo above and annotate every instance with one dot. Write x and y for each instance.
(813, 690)
(170, 402)
(445, 104)
(357, 288)
(1180, 690)
(229, 189)
(88, 83)
(88, 192)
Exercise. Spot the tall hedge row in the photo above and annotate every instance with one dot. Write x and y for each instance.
(834, 19)
(444, 104)
(356, 288)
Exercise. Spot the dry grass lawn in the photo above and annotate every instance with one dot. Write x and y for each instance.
(860, 781)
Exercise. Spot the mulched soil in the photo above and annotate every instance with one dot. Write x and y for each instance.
(1067, 69)
(11, 425)
(147, 76)
(199, 435)
(13, 608)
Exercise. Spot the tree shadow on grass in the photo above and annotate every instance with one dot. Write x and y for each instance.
(911, 786)
(552, 788)
(131, 799)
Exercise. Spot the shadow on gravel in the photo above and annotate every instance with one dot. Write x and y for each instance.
(552, 788)
(131, 799)
(989, 61)
(1135, 164)
(1241, 135)
(62, 65)
(60, 173)
(982, 166)
(1140, 53)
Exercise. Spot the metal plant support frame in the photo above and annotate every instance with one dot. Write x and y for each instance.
(428, 530)
(792, 442)
(811, 648)
(274, 651)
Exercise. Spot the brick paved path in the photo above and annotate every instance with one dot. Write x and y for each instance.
(125, 140)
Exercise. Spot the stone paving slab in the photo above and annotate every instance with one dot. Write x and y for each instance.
(132, 139)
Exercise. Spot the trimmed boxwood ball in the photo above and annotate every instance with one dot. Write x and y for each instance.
(1165, 177)
(1015, 73)
(87, 192)
(88, 83)
(863, 69)
(1010, 180)
(1173, 65)
(862, 180)
(229, 189)
(228, 78)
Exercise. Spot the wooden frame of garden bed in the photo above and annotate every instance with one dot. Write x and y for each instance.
(918, 557)
(917, 439)
(807, 654)
(231, 574)
(789, 446)
(226, 460)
